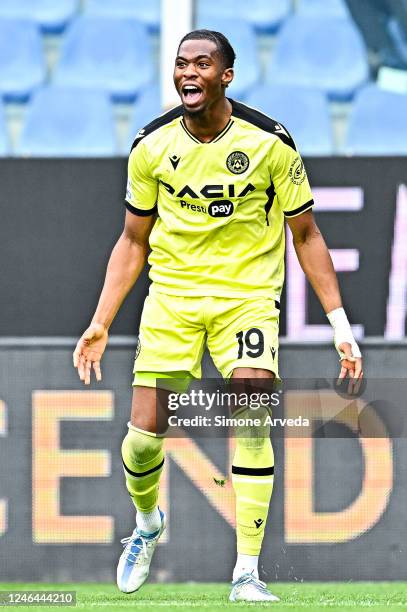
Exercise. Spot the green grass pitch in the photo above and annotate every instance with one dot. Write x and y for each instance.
(211, 597)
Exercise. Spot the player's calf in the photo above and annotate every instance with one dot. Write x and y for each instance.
(143, 460)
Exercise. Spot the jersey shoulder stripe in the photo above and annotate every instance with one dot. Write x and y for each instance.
(157, 123)
(262, 121)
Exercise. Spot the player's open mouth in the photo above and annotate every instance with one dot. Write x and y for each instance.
(191, 94)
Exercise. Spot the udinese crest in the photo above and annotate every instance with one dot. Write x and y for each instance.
(237, 162)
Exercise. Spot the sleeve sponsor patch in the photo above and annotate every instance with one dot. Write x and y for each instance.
(297, 172)
(129, 190)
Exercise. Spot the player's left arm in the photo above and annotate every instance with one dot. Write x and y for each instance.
(316, 263)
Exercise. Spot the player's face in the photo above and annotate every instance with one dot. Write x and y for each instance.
(199, 75)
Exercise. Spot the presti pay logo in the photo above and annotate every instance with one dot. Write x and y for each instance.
(220, 208)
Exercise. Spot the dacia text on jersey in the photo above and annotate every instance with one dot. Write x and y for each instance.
(217, 208)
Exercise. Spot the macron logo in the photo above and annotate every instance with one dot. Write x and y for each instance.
(174, 159)
(280, 130)
(140, 134)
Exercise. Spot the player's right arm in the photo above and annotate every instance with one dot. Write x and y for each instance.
(126, 261)
(125, 265)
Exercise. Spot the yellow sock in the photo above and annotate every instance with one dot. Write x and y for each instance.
(143, 461)
(252, 477)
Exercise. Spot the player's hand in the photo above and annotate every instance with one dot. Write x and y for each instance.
(350, 366)
(89, 350)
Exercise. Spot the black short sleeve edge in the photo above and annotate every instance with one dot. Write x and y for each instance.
(139, 211)
(300, 209)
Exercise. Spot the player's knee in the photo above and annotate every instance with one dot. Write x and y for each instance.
(140, 448)
(252, 373)
(254, 451)
(254, 444)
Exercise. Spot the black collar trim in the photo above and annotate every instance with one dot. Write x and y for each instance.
(218, 137)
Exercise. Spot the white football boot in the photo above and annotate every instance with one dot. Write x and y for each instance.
(249, 588)
(134, 562)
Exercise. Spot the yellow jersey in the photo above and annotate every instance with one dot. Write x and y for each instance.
(220, 205)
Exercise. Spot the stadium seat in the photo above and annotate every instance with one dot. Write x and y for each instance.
(51, 15)
(22, 62)
(264, 15)
(334, 8)
(303, 111)
(4, 142)
(146, 12)
(146, 108)
(63, 122)
(110, 54)
(243, 40)
(327, 53)
(377, 123)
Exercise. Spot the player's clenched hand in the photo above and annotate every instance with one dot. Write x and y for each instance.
(89, 350)
(350, 366)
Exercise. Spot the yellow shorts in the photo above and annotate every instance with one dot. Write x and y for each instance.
(174, 331)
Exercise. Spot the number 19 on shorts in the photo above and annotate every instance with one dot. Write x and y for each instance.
(251, 343)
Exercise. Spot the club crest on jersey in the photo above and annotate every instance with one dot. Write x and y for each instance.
(237, 162)
(297, 171)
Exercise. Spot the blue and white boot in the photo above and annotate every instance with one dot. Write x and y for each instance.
(249, 588)
(134, 562)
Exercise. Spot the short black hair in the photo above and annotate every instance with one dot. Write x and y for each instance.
(225, 49)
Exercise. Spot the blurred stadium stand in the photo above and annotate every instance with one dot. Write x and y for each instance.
(63, 122)
(243, 39)
(317, 8)
(306, 53)
(51, 15)
(146, 108)
(22, 61)
(146, 12)
(264, 16)
(303, 111)
(4, 141)
(378, 123)
(113, 46)
(112, 55)
(383, 24)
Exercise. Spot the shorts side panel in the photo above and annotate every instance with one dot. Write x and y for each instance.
(171, 337)
(177, 381)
